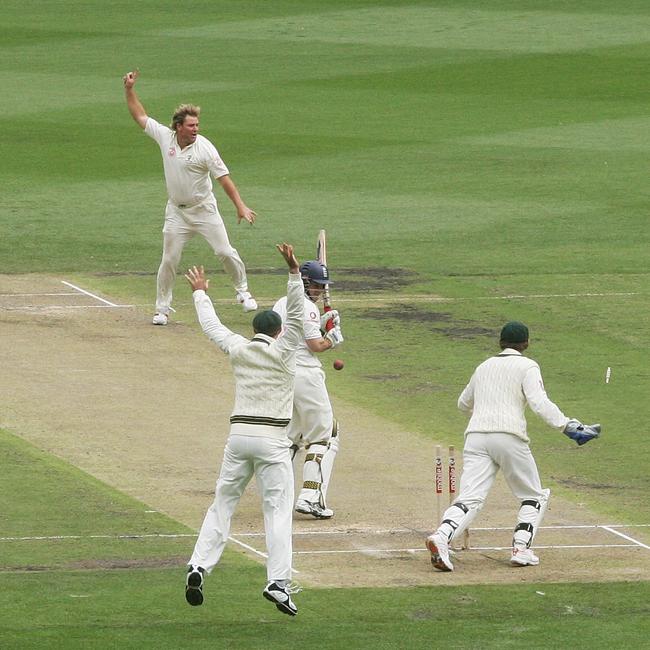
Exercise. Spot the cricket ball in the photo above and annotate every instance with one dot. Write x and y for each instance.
(338, 364)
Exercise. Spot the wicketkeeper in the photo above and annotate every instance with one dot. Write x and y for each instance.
(496, 438)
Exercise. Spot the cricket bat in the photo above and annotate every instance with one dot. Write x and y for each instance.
(321, 256)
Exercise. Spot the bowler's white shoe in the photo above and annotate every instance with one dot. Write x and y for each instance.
(439, 548)
(522, 556)
(247, 301)
(280, 597)
(160, 319)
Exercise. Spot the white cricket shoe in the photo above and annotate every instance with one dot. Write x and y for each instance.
(439, 548)
(280, 597)
(522, 556)
(313, 509)
(160, 319)
(247, 301)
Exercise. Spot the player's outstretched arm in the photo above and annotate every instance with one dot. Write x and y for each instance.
(211, 324)
(196, 277)
(286, 250)
(293, 332)
(243, 211)
(132, 101)
(581, 433)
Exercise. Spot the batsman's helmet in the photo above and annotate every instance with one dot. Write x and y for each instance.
(314, 271)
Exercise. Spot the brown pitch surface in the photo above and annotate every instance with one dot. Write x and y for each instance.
(145, 409)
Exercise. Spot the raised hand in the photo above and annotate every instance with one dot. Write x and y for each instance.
(130, 78)
(196, 277)
(286, 250)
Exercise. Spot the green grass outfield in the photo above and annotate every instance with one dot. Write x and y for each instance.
(467, 151)
(115, 592)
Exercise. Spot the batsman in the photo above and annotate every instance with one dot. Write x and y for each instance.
(312, 423)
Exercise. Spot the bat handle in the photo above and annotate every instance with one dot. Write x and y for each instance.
(330, 323)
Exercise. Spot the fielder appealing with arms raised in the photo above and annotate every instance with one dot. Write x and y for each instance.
(264, 370)
(496, 438)
(189, 161)
(312, 422)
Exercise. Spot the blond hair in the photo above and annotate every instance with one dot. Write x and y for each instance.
(182, 112)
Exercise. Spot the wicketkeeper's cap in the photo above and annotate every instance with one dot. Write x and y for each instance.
(514, 332)
(267, 322)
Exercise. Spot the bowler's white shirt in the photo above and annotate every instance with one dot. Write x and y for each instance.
(497, 394)
(311, 327)
(188, 171)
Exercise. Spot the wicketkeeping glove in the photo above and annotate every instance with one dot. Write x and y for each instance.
(581, 433)
(332, 315)
(335, 336)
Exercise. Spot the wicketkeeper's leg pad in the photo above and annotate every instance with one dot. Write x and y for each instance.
(530, 517)
(457, 518)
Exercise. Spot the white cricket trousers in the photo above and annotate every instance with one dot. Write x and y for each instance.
(312, 422)
(312, 417)
(484, 454)
(269, 459)
(181, 224)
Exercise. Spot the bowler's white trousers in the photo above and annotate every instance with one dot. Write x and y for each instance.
(181, 224)
(269, 459)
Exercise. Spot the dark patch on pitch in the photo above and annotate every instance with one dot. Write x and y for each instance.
(415, 314)
(353, 280)
(359, 280)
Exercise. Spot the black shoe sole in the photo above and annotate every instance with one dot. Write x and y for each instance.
(285, 609)
(193, 596)
(194, 589)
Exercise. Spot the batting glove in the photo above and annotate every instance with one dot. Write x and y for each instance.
(332, 315)
(581, 433)
(335, 336)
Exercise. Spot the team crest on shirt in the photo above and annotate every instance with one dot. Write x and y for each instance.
(172, 151)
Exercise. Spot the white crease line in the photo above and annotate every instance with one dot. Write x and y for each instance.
(92, 295)
(627, 537)
(425, 298)
(56, 307)
(569, 526)
(368, 551)
(358, 531)
(254, 550)
(394, 531)
(30, 295)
